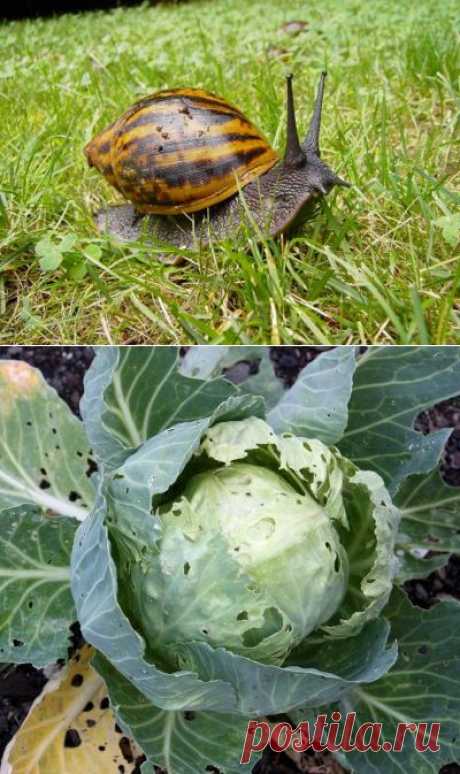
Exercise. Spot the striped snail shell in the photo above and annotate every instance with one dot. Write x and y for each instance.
(181, 150)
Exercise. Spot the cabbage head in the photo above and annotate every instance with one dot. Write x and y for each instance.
(262, 541)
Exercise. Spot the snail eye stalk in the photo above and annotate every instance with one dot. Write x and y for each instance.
(311, 143)
(294, 155)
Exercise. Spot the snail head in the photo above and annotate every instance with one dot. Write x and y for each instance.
(306, 156)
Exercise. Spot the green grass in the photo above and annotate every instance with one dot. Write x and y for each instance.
(380, 262)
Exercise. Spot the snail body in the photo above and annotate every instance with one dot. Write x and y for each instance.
(197, 168)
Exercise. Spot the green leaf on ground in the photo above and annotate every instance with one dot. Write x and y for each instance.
(50, 254)
(450, 226)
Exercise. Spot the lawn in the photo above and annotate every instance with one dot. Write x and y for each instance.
(378, 263)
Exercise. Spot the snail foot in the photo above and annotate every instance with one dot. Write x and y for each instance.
(126, 224)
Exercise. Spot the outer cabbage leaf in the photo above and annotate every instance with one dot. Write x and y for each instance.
(422, 687)
(44, 454)
(316, 406)
(204, 362)
(430, 511)
(36, 606)
(370, 547)
(179, 741)
(133, 393)
(326, 670)
(391, 386)
(73, 700)
(157, 464)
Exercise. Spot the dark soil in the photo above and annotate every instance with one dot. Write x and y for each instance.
(64, 369)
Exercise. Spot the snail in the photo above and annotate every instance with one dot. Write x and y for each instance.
(195, 168)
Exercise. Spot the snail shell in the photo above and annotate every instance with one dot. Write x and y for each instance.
(180, 151)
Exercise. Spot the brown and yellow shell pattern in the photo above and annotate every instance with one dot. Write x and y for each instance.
(180, 151)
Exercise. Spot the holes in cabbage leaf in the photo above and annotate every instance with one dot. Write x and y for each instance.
(44, 484)
(74, 496)
(91, 467)
(72, 738)
(243, 616)
(17, 643)
(273, 622)
(186, 568)
(126, 749)
(337, 563)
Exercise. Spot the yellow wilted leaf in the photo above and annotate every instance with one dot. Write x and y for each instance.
(70, 728)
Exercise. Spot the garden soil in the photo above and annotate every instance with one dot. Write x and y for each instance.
(64, 369)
